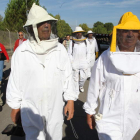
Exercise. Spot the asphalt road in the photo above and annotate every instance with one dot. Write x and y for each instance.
(79, 120)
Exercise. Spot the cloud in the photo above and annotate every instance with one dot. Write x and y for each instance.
(78, 4)
(125, 3)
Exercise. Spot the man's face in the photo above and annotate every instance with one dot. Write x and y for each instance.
(128, 38)
(44, 30)
(20, 35)
(90, 35)
(67, 37)
(78, 35)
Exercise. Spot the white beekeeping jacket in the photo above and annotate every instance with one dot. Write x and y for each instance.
(93, 48)
(40, 89)
(19, 86)
(79, 54)
(119, 97)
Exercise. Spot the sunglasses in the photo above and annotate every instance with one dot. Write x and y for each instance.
(20, 35)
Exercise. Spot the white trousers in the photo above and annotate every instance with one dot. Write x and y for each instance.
(80, 76)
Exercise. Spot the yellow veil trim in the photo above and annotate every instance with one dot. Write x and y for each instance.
(79, 39)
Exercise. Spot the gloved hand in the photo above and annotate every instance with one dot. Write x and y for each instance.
(97, 54)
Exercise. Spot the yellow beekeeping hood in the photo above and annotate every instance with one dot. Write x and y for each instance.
(127, 22)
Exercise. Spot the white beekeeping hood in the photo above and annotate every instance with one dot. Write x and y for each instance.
(37, 15)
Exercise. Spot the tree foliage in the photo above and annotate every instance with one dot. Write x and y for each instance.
(15, 13)
(1, 23)
(98, 23)
(109, 27)
(63, 28)
(84, 27)
(101, 28)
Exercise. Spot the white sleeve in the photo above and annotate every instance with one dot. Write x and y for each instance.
(70, 51)
(13, 94)
(88, 52)
(69, 88)
(93, 90)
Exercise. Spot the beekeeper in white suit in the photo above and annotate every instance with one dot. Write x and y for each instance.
(79, 53)
(115, 80)
(93, 47)
(41, 80)
(93, 50)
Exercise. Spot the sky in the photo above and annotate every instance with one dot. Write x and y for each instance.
(76, 12)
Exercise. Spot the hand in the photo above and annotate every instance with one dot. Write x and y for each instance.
(91, 121)
(7, 61)
(15, 114)
(69, 108)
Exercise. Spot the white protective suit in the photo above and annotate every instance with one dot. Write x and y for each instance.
(93, 49)
(80, 60)
(115, 81)
(39, 90)
(119, 98)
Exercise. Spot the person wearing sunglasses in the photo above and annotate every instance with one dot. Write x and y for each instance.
(20, 40)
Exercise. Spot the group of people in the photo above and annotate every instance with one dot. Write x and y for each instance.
(81, 51)
(44, 77)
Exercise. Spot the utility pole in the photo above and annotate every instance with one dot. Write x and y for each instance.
(9, 39)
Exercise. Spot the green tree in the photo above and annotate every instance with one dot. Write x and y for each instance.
(57, 17)
(1, 23)
(1, 18)
(15, 13)
(109, 27)
(98, 23)
(100, 30)
(84, 27)
(63, 28)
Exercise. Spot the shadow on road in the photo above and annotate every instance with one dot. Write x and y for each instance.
(80, 125)
(17, 138)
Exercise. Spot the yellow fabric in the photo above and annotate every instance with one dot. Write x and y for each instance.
(79, 39)
(127, 22)
(97, 54)
(78, 31)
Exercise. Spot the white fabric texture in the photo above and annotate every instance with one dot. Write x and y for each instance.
(80, 56)
(128, 61)
(39, 90)
(119, 97)
(43, 46)
(93, 49)
(36, 15)
(80, 60)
